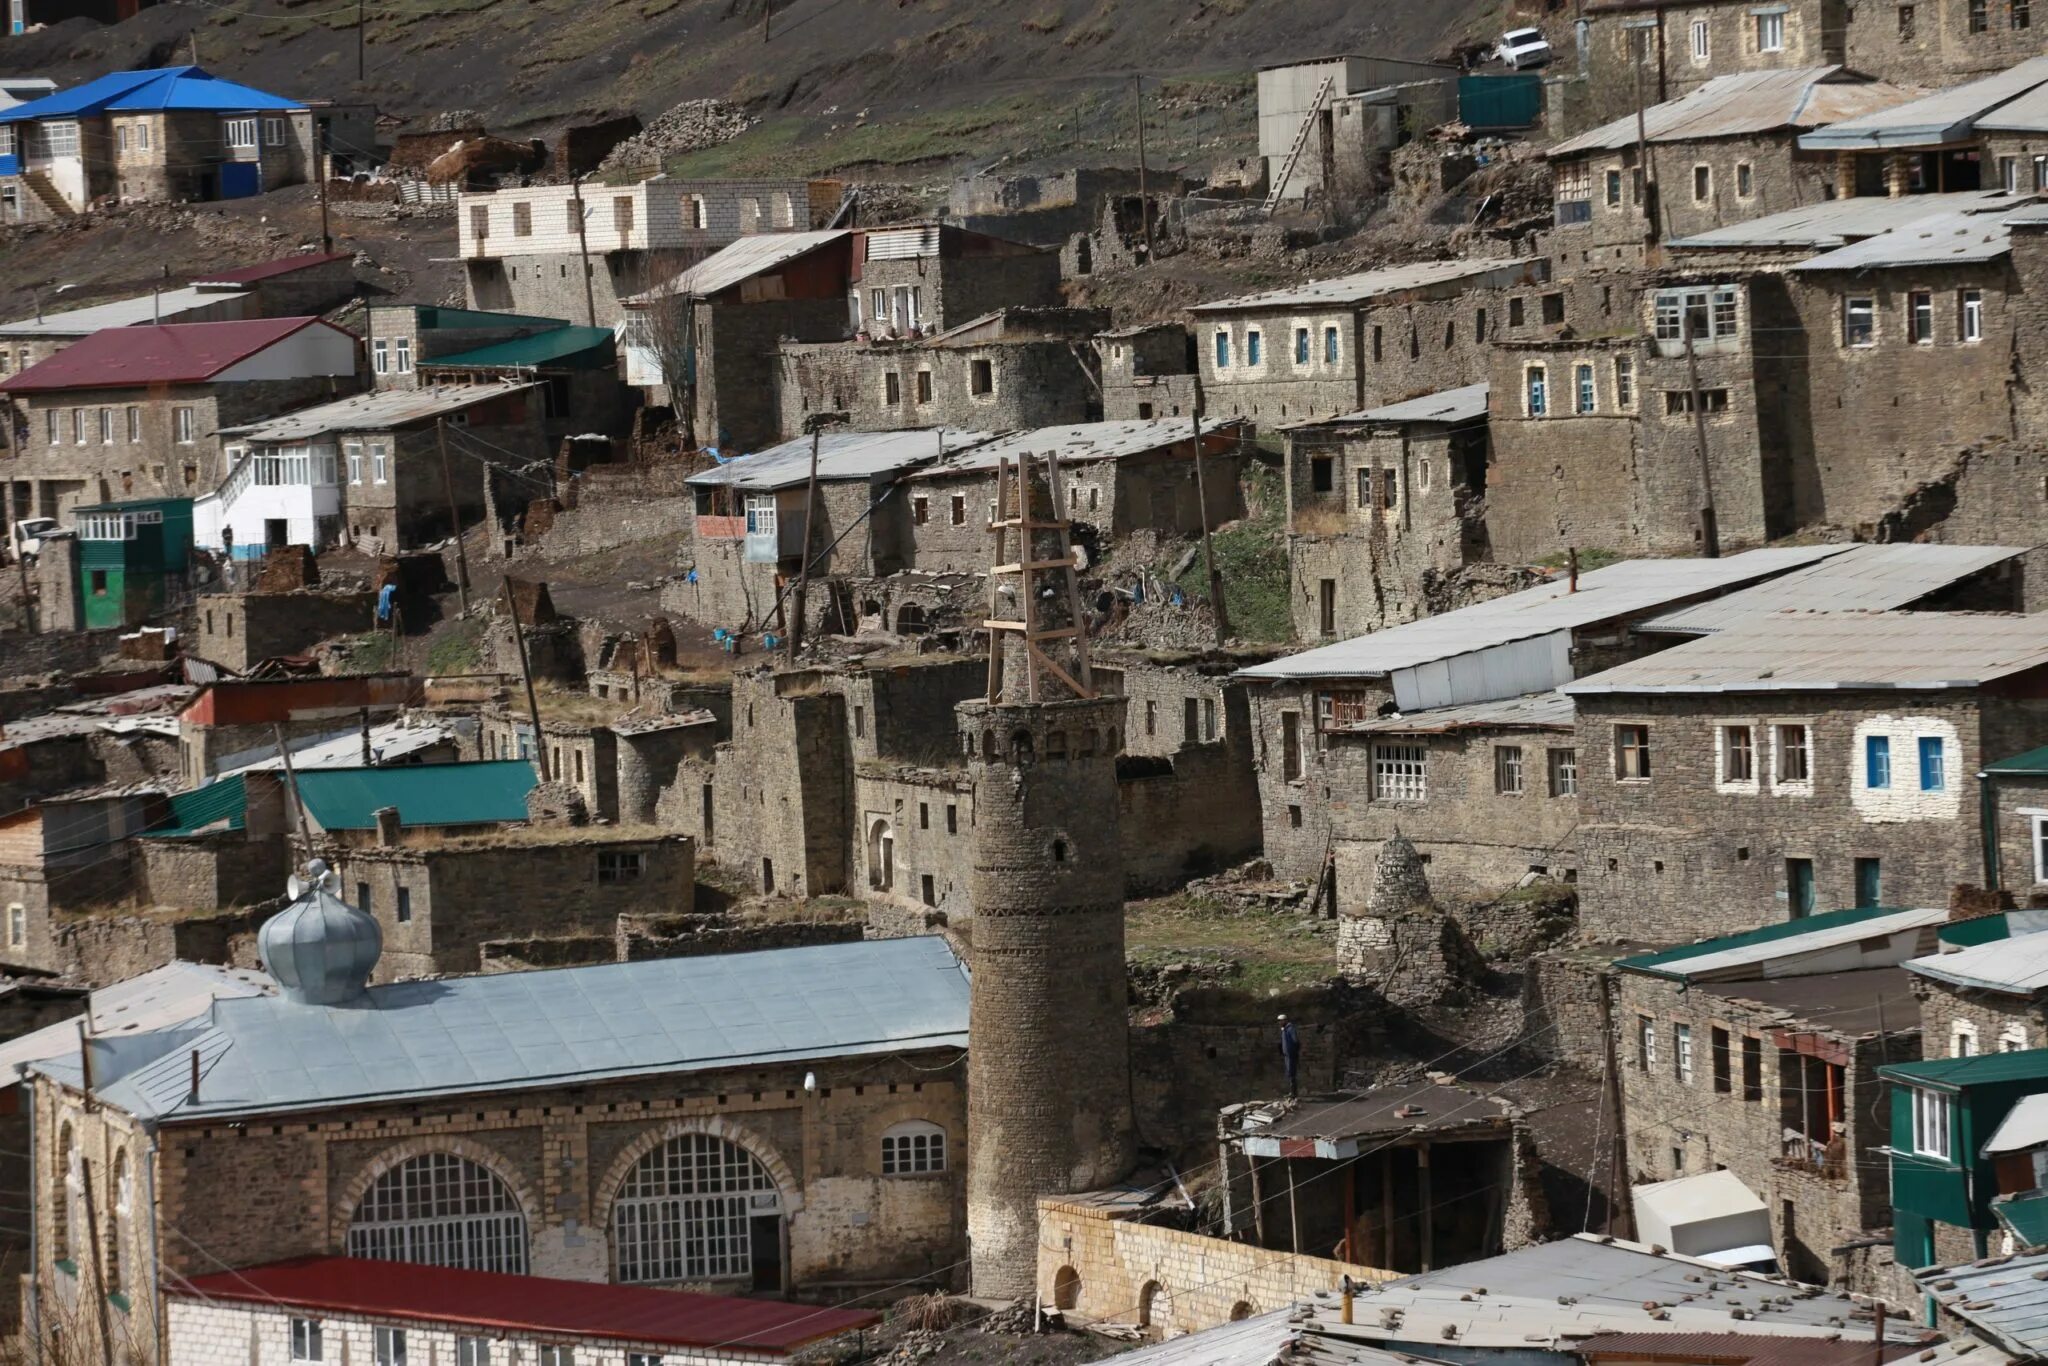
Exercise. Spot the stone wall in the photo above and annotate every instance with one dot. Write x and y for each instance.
(1995, 1021)
(1562, 1018)
(997, 386)
(1813, 36)
(240, 630)
(1102, 1268)
(914, 840)
(1940, 49)
(203, 872)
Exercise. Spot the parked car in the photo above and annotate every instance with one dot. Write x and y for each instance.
(1522, 48)
(31, 532)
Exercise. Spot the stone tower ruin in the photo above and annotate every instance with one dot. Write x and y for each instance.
(1049, 1084)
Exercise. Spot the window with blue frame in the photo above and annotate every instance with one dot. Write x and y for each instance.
(1251, 347)
(1330, 346)
(1877, 761)
(1301, 346)
(1222, 350)
(1539, 391)
(1933, 771)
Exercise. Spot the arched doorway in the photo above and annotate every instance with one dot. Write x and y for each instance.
(1066, 1288)
(440, 1209)
(881, 856)
(910, 620)
(698, 1208)
(1155, 1310)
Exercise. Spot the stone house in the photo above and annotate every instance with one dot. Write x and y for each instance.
(522, 251)
(1049, 210)
(1794, 763)
(233, 722)
(640, 1146)
(1148, 372)
(1674, 47)
(2016, 795)
(1977, 990)
(137, 411)
(1758, 1053)
(1016, 367)
(917, 279)
(1933, 144)
(356, 1307)
(241, 630)
(1722, 152)
(1382, 506)
(177, 134)
(1487, 793)
(440, 900)
(1361, 341)
(581, 753)
(403, 337)
(1323, 144)
(65, 855)
(369, 471)
(577, 369)
(1523, 643)
(1941, 42)
(719, 324)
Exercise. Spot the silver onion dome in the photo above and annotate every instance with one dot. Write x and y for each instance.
(320, 950)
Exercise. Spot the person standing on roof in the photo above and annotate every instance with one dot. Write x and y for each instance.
(1290, 1054)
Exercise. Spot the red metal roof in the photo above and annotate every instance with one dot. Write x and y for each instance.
(170, 353)
(246, 275)
(529, 1304)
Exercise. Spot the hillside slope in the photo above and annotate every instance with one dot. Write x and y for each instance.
(951, 81)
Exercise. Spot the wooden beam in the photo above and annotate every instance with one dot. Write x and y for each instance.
(1045, 661)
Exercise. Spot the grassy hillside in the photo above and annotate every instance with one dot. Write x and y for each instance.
(835, 83)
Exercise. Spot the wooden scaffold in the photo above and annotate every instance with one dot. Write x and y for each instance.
(1043, 549)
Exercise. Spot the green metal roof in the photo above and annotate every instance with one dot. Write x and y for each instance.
(576, 347)
(1982, 1069)
(2033, 763)
(488, 793)
(203, 807)
(135, 505)
(1983, 929)
(1660, 962)
(2026, 1214)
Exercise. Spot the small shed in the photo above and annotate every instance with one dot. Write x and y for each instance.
(130, 556)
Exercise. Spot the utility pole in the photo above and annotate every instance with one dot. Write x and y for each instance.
(1144, 200)
(817, 422)
(583, 250)
(362, 61)
(28, 614)
(1644, 168)
(320, 178)
(454, 517)
(99, 1265)
(540, 747)
(291, 781)
(767, 20)
(1208, 551)
(1710, 532)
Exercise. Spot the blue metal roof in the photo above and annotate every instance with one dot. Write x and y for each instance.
(521, 1030)
(172, 88)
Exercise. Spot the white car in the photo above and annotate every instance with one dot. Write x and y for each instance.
(31, 532)
(1522, 48)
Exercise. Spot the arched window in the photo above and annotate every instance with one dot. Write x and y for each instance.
(441, 1210)
(881, 856)
(1241, 1311)
(685, 1211)
(60, 1198)
(913, 1148)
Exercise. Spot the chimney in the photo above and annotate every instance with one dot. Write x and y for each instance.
(387, 826)
(369, 756)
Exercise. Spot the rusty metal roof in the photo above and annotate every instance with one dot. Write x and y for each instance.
(1746, 104)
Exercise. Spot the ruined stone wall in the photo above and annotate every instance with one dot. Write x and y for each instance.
(1997, 497)
(1673, 1114)
(205, 872)
(1684, 853)
(737, 404)
(1199, 816)
(240, 630)
(1562, 1020)
(1144, 398)
(1476, 839)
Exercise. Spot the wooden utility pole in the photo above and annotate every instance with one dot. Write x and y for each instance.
(1710, 532)
(291, 781)
(362, 61)
(540, 747)
(320, 177)
(1216, 603)
(1643, 164)
(583, 251)
(795, 634)
(454, 517)
(768, 21)
(99, 1265)
(1144, 200)
(1617, 1158)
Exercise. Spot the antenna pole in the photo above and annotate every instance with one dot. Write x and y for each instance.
(291, 779)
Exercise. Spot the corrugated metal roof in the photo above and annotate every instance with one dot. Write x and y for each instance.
(1543, 711)
(1618, 590)
(2024, 1126)
(1834, 223)
(521, 1030)
(741, 260)
(2024, 1214)
(1736, 1349)
(390, 742)
(1921, 651)
(1932, 120)
(503, 1303)
(841, 455)
(167, 307)
(1744, 104)
(1753, 948)
(2016, 965)
(1464, 404)
(2033, 762)
(173, 87)
(1940, 239)
(175, 353)
(270, 270)
(2003, 1298)
(1345, 290)
(1282, 1336)
(1082, 441)
(378, 410)
(1978, 1069)
(220, 805)
(488, 793)
(542, 348)
(158, 999)
(1863, 578)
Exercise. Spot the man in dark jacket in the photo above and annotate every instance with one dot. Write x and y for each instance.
(1290, 1053)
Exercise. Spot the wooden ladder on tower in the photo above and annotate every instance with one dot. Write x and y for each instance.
(1014, 511)
(1301, 136)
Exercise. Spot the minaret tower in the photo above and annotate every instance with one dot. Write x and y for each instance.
(1049, 1074)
